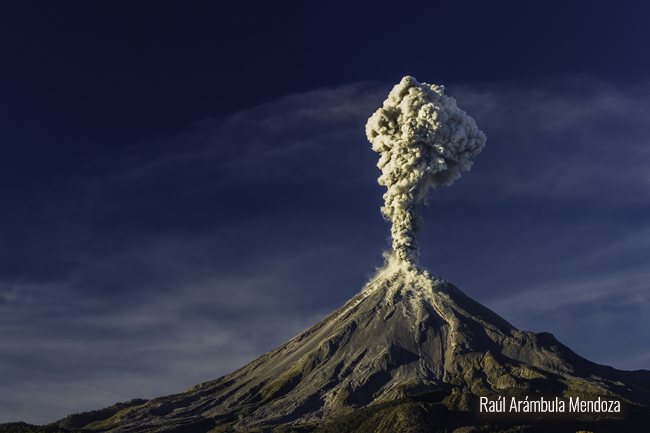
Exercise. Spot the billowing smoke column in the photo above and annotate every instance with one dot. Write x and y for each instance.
(424, 140)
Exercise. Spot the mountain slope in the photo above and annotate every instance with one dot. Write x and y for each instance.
(406, 332)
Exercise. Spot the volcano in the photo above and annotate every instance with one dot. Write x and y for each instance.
(410, 352)
(406, 334)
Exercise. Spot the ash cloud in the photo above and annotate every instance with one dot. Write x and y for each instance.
(424, 140)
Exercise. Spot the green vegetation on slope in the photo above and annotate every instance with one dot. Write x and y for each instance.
(83, 420)
(431, 412)
(405, 408)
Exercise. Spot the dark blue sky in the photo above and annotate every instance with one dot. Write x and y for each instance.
(186, 185)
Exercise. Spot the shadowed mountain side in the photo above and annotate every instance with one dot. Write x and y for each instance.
(405, 333)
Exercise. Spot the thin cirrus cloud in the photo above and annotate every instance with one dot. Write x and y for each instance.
(576, 136)
(195, 327)
(602, 318)
(175, 261)
(299, 138)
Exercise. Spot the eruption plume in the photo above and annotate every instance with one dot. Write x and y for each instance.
(424, 140)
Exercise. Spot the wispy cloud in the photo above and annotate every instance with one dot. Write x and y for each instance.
(299, 138)
(177, 324)
(571, 137)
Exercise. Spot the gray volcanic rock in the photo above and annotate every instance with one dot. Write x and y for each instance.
(406, 332)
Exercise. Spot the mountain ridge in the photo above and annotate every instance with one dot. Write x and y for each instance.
(405, 333)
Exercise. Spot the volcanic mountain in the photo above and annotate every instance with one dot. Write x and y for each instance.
(407, 333)
(410, 352)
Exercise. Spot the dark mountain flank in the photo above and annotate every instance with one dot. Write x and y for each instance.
(410, 352)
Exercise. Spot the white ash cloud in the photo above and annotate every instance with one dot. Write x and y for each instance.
(424, 140)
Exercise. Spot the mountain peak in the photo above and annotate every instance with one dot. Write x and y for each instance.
(406, 332)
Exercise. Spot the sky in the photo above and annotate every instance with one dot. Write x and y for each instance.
(187, 185)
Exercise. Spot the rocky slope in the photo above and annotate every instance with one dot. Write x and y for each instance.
(405, 333)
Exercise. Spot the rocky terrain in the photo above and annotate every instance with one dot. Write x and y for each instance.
(407, 337)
